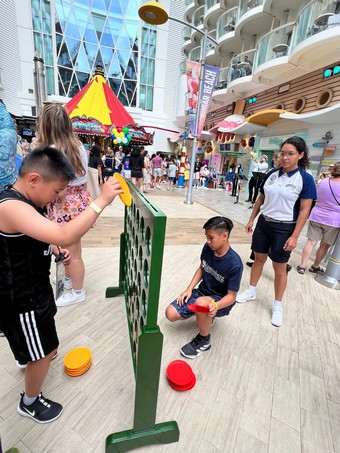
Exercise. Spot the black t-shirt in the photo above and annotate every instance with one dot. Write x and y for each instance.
(220, 273)
(197, 167)
(136, 162)
(95, 162)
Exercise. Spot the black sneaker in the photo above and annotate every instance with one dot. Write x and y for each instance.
(42, 410)
(196, 346)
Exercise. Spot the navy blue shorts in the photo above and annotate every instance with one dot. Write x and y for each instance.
(185, 313)
(270, 237)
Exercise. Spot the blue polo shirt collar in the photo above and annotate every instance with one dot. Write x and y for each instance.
(289, 173)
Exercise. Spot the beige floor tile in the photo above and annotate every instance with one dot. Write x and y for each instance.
(247, 443)
(286, 403)
(334, 415)
(255, 418)
(315, 434)
(313, 395)
(283, 438)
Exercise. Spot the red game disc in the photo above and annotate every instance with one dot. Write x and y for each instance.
(189, 386)
(179, 373)
(198, 308)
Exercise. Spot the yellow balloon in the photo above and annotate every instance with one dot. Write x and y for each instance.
(115, 132)
(115, 141)
(121, 135)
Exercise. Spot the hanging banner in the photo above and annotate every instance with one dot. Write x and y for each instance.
(210, 76)
(193, 72)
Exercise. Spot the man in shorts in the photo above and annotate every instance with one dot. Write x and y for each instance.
(219, 276)
(157, 169)
(27, 306)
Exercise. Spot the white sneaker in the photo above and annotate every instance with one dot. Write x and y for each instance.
(67, 282)
(71, 298)
(245, 296)
(277, 316)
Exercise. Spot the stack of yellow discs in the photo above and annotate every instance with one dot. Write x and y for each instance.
(78, 361)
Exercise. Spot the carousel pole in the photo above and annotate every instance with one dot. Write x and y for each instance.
(180, 183)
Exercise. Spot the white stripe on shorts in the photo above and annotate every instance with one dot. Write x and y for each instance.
(29, 327)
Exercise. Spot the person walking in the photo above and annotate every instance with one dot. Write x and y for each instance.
(284, 205)
(324, 222)
(137, 165)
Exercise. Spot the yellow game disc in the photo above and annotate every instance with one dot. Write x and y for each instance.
(79, 369)
(77, 358)
(126, 195)
(79, 372)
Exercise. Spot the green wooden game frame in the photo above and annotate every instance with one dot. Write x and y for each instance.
(140, 270)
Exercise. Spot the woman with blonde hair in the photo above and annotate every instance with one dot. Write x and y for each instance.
(55, 129)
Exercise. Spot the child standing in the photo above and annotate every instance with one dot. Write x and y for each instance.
(171, 174)
(28, 308)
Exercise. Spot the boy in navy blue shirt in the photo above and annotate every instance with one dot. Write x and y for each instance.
(218, 276)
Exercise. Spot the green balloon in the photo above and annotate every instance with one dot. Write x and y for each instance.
(129, 137)
(126, 130)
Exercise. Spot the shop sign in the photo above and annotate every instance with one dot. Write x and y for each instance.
(330, 148)
(318, 145)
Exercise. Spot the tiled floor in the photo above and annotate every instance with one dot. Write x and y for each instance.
(259, 388)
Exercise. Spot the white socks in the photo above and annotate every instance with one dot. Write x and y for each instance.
(252, 290)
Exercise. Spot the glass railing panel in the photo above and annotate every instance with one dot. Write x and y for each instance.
(247, 5)
(195, 54)
(209, 4)
(188, 2)
(226, 23)
(242, 65)
(182, 67)
(275, 44)
(198, 17)
(223, 78)
(186, 33)
(316, 17)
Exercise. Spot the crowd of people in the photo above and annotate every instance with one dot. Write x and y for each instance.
(49, 189)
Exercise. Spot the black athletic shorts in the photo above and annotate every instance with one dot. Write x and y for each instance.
(270, 237)
(31, 333)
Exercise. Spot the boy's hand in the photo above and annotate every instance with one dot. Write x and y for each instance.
(184, 297)
(67, 256)
(212, 310)
(110, 189)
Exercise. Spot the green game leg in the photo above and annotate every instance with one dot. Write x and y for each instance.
(162, 433)
(113, 291)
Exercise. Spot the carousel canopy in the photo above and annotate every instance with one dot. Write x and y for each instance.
(95, 110)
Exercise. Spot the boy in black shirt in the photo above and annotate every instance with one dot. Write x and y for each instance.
(219, 276)
(27, 306)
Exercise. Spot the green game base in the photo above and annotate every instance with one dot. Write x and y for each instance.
(162, 433)
(114, 291)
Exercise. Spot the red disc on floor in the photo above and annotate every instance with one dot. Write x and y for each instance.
(179, 373)
(188, 386)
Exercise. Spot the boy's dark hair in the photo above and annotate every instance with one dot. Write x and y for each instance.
(50, 163)
(219, 223)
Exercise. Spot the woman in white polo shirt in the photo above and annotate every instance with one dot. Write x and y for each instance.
(284, 204)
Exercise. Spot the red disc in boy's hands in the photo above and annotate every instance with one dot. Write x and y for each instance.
(198, 308)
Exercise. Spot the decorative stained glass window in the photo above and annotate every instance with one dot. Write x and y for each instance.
(89, 32)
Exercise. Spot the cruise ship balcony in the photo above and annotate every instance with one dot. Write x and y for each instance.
(220, 94)
(241, 73)
(253, 19)
(212, 56)
(272, 56)
(225, 33)
(316, 37)
(189, 10)
(188, 44)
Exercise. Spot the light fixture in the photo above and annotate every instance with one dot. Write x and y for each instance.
(153, 13)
